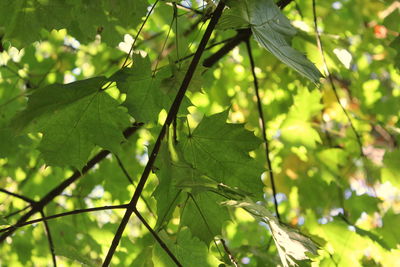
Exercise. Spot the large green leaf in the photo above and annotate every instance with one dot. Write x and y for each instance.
(73, 119)
(220, 151)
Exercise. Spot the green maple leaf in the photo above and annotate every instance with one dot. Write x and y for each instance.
(73, 119)
(220, 151)
(201, 211)
(272, 30)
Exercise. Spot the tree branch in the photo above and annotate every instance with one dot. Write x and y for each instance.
(330, 78)
(156, 237)
(230, 255)
(50, 239)
(170, 117)
(24, 198)
(15, 226)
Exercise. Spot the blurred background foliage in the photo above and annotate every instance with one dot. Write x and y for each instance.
(345, 196)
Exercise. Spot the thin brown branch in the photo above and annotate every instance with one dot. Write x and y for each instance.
(24, 198)
(137, 34)
(330, 78)
(170, 117)
(230, 255)
(16, 212)
(49, 239)
(263, 127)
(157, 238)
(18, 225)
(124, 170)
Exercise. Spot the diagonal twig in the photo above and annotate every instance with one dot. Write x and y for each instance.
(330, 78)
(50, 239)
(24, 198)
(157, 238)
(230, 255)
(15, 226)
(124, 170)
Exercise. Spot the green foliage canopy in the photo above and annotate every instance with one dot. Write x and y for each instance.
(203, 139)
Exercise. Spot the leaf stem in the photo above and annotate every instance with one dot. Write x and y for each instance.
(124, 170)
(49, 239)
(330, 78)
(203, 217)
(137, 35)
(263, 127)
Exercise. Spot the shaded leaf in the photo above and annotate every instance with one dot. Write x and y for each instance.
(73, 119)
